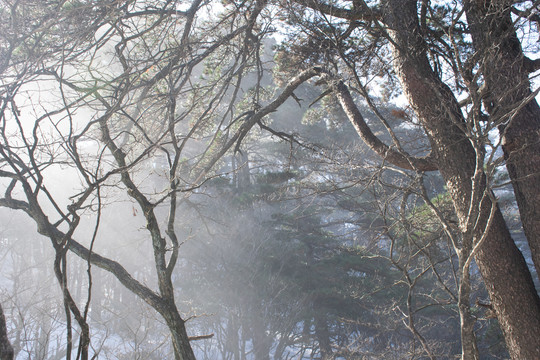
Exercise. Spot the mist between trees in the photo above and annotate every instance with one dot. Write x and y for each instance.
(269, 179)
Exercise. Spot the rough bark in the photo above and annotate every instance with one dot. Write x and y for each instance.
(6, 350)
(394, 156)
(502, 265)
(510, 101)
(180, 339)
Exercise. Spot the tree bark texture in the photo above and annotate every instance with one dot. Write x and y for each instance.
(180, 339)
(505, 273)
(510, 101)
(6, 350)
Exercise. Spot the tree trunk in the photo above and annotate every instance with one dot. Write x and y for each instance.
(505, 273)
(180, 339)
(6, 350)
(323, 336)
(508, 88)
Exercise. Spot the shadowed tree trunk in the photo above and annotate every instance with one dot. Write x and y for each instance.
(510, 102)
(180, 339)
(323, 336)
(6, 350)
(502, 265)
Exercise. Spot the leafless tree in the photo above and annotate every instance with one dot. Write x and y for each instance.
(102, 87)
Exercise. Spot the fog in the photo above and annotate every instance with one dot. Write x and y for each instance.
(138, 195)
(274, 256)
(280, 257)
